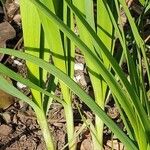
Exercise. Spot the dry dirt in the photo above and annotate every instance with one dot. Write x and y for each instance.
(18, 125)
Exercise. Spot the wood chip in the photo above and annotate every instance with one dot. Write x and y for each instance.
(115, 145)
(5, 130)
(6, 99)
(6, 117)
(7, 32)
(86, 145)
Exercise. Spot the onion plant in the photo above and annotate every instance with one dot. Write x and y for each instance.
(48, 30)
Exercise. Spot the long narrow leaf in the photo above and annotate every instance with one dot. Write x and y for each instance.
(77, 90)
(112, 83)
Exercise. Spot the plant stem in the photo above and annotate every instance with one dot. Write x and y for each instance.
(69, 116)
(70, 126)
(42, 120)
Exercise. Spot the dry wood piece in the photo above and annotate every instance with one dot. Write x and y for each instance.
(6, 99)
(5, 130)
(7, 32)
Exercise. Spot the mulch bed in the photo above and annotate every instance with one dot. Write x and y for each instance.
(18, 125)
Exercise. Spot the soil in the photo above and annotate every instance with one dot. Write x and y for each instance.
(19, 129)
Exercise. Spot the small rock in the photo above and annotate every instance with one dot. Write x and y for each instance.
(78, 66)
(20, 85)
(5, 130)
(16, 62)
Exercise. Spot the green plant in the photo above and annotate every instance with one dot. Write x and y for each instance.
(129, 92)
(106, 32)
(70, 83)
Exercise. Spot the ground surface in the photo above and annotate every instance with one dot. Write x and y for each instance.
(18, 125)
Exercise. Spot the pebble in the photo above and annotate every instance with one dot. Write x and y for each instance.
(20, 85)
(78, 66)
(16, 62)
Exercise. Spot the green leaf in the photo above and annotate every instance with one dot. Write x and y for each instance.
(77, 90)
